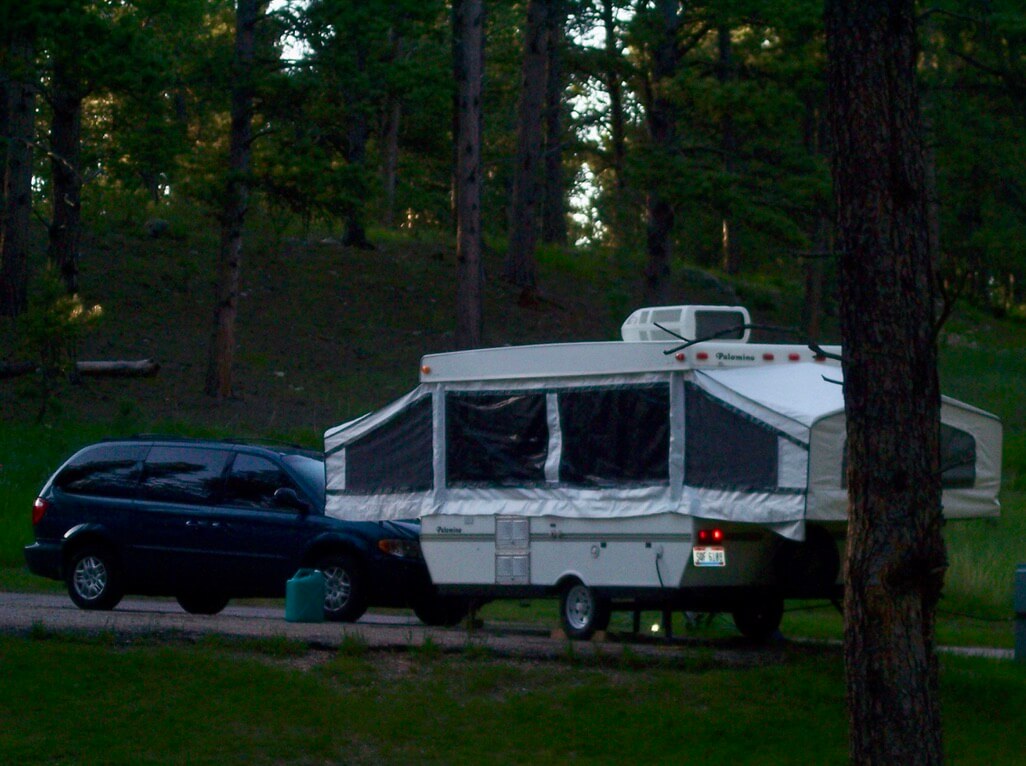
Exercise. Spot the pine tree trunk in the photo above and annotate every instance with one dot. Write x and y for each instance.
(391, 118)
(816, 145)
(16, 177)
(354, 233)
(468, 58)
(728, 144)
(554, 210)
(390, 159)
(520, 267)
(662, 126)
(221, 356)
(65, 145)
(613, 81)
(896, 559)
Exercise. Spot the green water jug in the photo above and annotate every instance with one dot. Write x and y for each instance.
(304, 596)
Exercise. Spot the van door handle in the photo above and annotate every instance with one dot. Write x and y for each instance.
(195, 524)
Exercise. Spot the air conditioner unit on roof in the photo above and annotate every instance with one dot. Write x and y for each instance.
(671, 323)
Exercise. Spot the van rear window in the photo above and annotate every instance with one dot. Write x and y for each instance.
(106, 470)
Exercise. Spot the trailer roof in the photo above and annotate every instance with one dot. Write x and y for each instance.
(556, 360)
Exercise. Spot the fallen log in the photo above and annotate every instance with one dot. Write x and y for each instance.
(122, 368)
(14, 369)
(140, 368)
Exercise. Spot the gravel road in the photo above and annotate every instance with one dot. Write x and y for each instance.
(22, 613)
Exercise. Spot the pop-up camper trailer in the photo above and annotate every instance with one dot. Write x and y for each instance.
(649, 472)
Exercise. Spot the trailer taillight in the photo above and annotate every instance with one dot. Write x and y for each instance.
(39, 509)
(710, 536)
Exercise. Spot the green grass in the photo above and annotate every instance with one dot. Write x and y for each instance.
(73, 701)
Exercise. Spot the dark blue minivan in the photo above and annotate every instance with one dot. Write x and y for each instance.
(208, 521)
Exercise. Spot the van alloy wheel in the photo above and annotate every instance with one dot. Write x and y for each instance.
(345, 598)
(93, 580)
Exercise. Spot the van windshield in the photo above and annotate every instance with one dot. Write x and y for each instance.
(311, 472)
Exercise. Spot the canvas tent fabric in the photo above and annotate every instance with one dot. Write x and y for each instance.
(806, 402)
(760, 444)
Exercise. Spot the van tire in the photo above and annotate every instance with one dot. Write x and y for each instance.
(93, 578)
(345, 588)
(759, 618)
(582, 611)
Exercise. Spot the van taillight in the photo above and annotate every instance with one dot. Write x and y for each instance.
(39, 509)
(710, 536)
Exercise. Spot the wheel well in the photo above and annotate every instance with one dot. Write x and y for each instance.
(83, 540)
(321, 550)
(568, 580)
(808, 567)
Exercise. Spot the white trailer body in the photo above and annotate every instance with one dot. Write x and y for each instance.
(641, 471)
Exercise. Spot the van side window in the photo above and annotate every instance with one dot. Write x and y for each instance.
(252, 482)
(723, 449)
(396, 456)
(615, 436)
(184, 474)
(109, 470)
(496, 439)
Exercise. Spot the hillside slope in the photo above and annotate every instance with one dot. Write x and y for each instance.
(324, 332)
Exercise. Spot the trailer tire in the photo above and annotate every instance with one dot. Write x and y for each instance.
(582, 611)
(441, 611)
(808, 569)
(758, 619)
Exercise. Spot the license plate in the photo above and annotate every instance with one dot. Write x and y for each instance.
(709, 556)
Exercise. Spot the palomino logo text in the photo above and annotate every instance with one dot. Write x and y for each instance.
(724, 356)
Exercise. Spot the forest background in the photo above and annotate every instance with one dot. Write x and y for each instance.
(658, 136)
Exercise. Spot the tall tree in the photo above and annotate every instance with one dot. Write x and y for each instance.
(18, 92)
(236, 200)
(468, 64)
(895, 554)
(661, 116)
(728, 144)
(67, 91)
(554, 202)
(520, 267)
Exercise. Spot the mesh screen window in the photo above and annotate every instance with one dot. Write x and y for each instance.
(615, 436)
(396, 456)
(496, 439)
(723, 449)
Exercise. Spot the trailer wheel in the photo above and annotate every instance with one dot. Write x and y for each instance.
(441, 611)
(809, 568)
(582, 611)
(759, 618)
